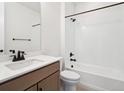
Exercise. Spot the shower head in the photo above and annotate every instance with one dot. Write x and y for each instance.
(73, 19)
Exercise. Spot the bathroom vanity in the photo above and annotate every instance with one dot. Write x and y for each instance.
(43, 77)
(19, 72)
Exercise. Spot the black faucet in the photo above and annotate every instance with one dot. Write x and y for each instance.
(20, 56)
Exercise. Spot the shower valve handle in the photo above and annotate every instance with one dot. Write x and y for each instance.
(71, 54)
(73, 60)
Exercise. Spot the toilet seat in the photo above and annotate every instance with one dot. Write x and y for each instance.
(69, 75)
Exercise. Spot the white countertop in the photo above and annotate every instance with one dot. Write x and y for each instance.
(7, 74)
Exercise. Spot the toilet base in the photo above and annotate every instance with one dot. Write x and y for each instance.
(69, 87)
(69, 80)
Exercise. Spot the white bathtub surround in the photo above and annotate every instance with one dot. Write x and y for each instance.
(7, 74)
(97, 37)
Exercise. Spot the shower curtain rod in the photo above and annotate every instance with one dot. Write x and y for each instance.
(94, 9)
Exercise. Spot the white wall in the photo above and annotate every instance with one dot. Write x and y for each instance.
(1, 26)
(51, 28)
(69, 8)
(85, 6)
(18, 23)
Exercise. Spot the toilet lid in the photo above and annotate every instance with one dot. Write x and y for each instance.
(70, 75)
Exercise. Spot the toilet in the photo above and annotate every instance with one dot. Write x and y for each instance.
(69, 80)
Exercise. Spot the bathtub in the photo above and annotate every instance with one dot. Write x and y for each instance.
(97, 78)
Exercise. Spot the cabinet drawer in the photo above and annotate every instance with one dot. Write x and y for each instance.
(50, 84)
(23, 82)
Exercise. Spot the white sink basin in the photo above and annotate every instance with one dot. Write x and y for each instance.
(22, 64)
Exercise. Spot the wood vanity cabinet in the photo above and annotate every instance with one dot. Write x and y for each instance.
(32, 88)
(50, 83)
(43, 79)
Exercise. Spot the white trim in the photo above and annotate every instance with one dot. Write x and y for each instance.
(62, 30)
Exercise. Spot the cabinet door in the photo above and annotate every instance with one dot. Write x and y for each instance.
(33, 88)
(50, 84)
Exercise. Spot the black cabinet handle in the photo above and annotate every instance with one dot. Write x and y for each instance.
(40, 89)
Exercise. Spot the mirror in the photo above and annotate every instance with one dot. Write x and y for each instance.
(21, 26)
(1, 28)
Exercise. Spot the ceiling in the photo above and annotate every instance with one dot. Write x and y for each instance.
(35, 6)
